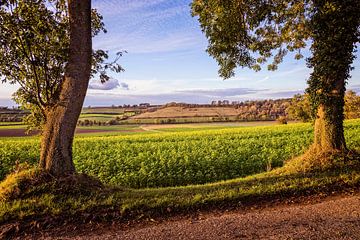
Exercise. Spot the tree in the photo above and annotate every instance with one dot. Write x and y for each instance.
(46, 49)
(299, 108)
(56, 145)
(248, 33)
(352, 105)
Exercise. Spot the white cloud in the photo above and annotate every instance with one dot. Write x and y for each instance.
(111, 84)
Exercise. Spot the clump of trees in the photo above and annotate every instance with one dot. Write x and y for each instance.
(15, 118)
(300, 108)
(261, 109)
(352, 105)
(89, 123)
(282, 120)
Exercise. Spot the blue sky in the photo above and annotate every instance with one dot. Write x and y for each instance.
(166, 61)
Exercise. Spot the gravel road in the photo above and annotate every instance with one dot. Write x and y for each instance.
(333, 218)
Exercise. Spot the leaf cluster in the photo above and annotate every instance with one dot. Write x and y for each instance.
(34, 48)
(335, 31)
(299, 108)
(247, 33)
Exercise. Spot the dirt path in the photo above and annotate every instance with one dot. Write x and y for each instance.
(334, 218)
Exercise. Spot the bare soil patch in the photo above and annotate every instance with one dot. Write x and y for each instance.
(16, 133)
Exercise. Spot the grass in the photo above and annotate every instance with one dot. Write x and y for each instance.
(13, 126)
(202, 127)
(11, 123)
(111, 128)
(99, 117)
(107, 110)
(174, 158)
(30, 194)
(179, 158)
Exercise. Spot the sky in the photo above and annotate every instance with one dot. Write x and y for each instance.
(166, 61)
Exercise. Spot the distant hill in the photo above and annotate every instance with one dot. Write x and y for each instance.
(249, 110)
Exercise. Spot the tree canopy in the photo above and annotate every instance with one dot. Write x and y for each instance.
(34, 39)
(245, 33)
(248, 33)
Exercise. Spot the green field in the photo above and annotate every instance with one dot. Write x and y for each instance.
(13, 126)
(180, 120)
(107, 110)
(179, 158)
(99, 117)
(10, 123)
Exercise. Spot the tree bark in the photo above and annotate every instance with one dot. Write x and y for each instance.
(329, 122)
(334, 27)
(329, 131)
(58, 134)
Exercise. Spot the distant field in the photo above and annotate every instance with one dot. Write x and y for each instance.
(180, 112)
(99, 117)
(10, 123)
(13, 126)
(103, 110)
(20, 131)
(161, 115)
(205, 126)
(181, 157)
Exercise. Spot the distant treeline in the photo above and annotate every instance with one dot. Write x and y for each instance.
(12, 114)
(296, 108)
(248, 110)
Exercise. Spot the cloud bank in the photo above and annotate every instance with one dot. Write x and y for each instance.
(188, 96)
(221, 93)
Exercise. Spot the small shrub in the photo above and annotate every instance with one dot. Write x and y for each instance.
(281, 120)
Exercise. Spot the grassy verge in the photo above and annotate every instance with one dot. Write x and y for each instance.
(34, 196)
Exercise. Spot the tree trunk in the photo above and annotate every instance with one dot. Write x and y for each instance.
(58, 134)
(329, 133)
(334, 31)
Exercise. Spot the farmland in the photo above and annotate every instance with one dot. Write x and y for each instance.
(176, 158)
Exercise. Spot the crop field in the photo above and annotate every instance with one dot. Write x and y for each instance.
(108, 110)
(99, 117)
(179, 158)
(10, 124)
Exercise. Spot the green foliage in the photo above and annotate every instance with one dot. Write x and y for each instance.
(352, 105)
(180, 158)
(34, 47)
(335, 33)
(281, 120)
(299, 108)
(248, 33)
(81, 198)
